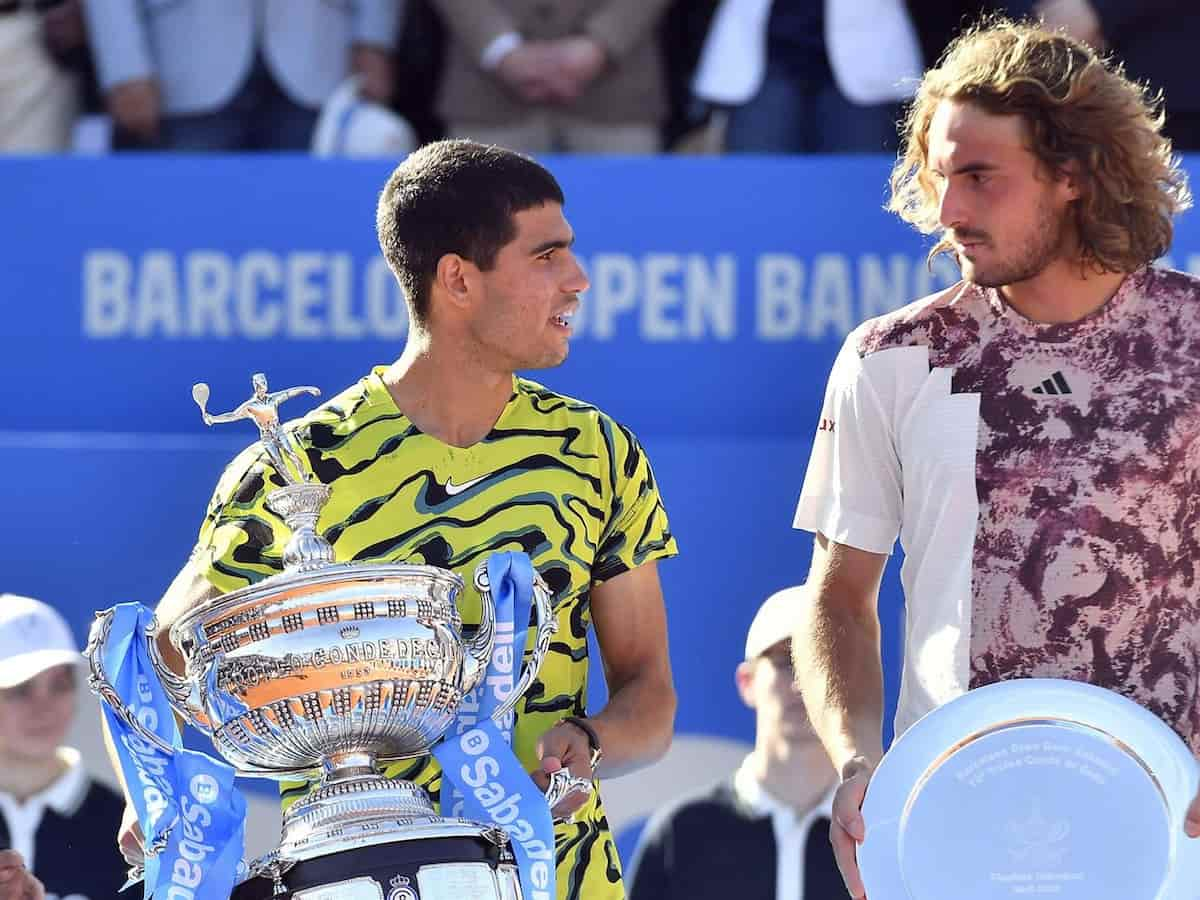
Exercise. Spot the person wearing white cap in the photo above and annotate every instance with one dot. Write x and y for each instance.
(763, 833)
(51, 812)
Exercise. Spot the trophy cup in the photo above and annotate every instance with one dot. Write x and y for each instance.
(331, 669)
(1035, 786)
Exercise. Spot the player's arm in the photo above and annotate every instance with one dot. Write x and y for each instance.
(189, 590)
(635, 726)
(840, 675)
(836, 648)
(852, 500)
(630, 618)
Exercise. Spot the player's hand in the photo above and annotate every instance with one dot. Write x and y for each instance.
(564, 746)
(376, 76)
(848, 830)
(527, 70)
(578, 62)
(17, 882)
(1191, 825)
(134, 106)
(130, 840)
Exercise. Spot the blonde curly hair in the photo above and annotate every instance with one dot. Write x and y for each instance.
(1083, 115)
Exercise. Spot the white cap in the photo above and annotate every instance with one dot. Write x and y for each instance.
(775, 620)
(33, 638)
(351, 126)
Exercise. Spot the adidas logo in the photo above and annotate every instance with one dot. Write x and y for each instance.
(1055, 384)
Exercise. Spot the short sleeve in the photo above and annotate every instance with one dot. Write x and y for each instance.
(241, 541)
(637, 530)
(852, 491)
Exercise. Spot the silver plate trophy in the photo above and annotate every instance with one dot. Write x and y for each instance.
(1033, 787)
(331, 669)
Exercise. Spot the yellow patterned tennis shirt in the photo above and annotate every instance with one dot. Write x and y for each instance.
(555, 477)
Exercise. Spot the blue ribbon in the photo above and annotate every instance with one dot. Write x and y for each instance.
(192, 816)
(477, 759)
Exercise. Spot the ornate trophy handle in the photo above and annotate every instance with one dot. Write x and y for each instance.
(98, 680)
(547, 625)
(561, 784)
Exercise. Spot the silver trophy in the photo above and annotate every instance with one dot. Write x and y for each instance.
(332, 669)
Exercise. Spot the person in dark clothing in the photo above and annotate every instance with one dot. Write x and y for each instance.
(762, 833)
(51, 812)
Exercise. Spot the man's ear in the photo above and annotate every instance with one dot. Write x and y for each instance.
(454, 279)
(1069, 179)
(743, 676)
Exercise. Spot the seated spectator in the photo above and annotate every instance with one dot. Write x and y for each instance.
(538, 76)
(1155, 39)
(232, 75)
(39, 99)
(800, 76)
(51, 812)
(763, 833)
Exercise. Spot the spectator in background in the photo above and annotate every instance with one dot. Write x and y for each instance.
(681, 36)
(938, 22)
(234, 74)
(1157, 40)
(581, 76)
(53, 814)
(65, 33)
(38, 99)
(764, 833)
(419, 62)
(810, 76)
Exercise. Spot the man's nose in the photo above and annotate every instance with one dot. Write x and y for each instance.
(950, 212)
(577, 281)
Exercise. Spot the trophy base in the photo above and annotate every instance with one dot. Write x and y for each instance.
(360, 836)
(363, 809)
(399, 868)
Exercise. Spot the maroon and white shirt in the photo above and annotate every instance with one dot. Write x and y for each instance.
(1044, 482)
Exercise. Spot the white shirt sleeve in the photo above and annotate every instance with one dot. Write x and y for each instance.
(853, 490)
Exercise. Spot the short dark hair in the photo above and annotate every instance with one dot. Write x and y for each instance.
(454, 197)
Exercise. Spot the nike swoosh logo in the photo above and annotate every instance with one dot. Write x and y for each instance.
(452, 488)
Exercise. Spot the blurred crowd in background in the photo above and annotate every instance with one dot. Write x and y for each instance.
(379, 77)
